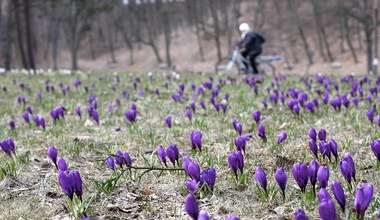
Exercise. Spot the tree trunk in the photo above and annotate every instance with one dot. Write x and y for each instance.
(6, 32)
(167, 36)
(368, 40)
(110, 43)
(20, 34)
(375, 55)
(347, 33)
(215, 19)
(73, 36)
(341, 36)
(29, 37)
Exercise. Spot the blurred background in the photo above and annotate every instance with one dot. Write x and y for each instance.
(329, 36)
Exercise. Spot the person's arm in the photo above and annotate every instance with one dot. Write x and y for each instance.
(244, 43)
(261, 38)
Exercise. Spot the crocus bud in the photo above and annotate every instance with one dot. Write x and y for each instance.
(256, 115)
(327, 210)
(191, 206)
(363, 197)
(162, 154)
(61, 163)
(261, 177)
(78, 111)
(111, 163)
(232, 217)
(209, 176)
(347, 167)
(300, 173)
(189, 115)
(313, 147)
(282, 137)
(370, 115)
(168, 121)
(191, 185)
(262, 133)
(281, 179)
(66, 183)
(300, 215)
(334, 148)
(313, 170)
(119, 158)
(324, 147)
(233, 162)
(322, 135)
(194, 171)
(339, 194)
(196, 139)
(127, 159)
(313, 134)
(12, 125)
(323, 176)
(203, 216)
(25, 115)
(240, 143)
(53, 154)
(375, 147)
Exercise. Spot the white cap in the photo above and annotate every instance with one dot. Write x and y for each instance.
(244, 27)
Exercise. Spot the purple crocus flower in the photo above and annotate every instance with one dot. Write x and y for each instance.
(327, 210)
(232, 217)
(194, 171)
(42, 122)
(281, 179)
(36, 120)
(262, 133)
(95, 116)
(111, 162)
(355, 100)
(256, 115)
(191, 185)
(323, 176)
(313, 147)
(119, 158)
(203, 216)
(324, 147)
(25, 115)
(196, 139)
(224, 106)
(162, 155)
(8, 146)
(322, 134)
(173, 153)
(53, 154)
(29, 109)
(65, 181)
(300, 215)
(375, 147)
(185, 163)
(300, 173)
(202, 104)
(127, 159)
(191, 206)
(168, 121)
(350, 162)
(313, 134)
(261, 177)
(131, 115)
(78, 111)
(12, 125)
(188, 115)
(192, 106)
(370, 115)
(363, 198)
(240, 143)
(209, 176)
(313, 170)
(282, 137)
(61, 163)
(233, 162)
(334, 148)
(378, 120)
(339, 194)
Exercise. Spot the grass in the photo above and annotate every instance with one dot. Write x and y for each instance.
(32, 179)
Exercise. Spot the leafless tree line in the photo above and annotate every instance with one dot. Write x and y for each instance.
(35, 30)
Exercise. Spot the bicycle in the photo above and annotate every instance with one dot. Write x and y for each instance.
(235, 64)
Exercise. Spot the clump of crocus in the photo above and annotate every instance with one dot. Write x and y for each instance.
(8, 146)
(347, 168)
(300, 173)
(282, 137)
(262, 132)
(325, 149)
(375, 147)
(196, 139)
(131, 115)
(53, 155)
(236, 162)
(161, 153)
(338, 192)
(323, 176)
(241, 142)
(71, 183)
(120, 158)
(281, 179)
(172, 153)
(300, 215)
(237, 126)
(363, 198)
(261, 178)
(168, 121)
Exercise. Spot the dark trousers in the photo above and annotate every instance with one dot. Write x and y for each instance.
(251, 57)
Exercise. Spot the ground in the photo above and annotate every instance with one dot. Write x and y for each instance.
(32, 190)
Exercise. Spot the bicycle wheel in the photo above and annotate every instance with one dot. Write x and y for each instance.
(226, 65)
(266, 68)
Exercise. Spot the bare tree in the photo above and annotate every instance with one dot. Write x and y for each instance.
(6, 32)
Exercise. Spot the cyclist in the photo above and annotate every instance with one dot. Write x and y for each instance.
(250, 45)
